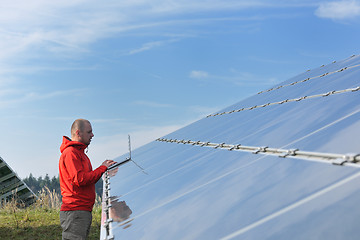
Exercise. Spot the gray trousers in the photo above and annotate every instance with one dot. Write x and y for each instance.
(75, 224)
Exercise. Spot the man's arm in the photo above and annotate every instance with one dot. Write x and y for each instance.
(77, 173)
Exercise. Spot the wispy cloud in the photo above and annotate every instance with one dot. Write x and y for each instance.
(198, 74)
(9, 97)
(339, 10)
(151, 45)
(41, 27)
(9, 70)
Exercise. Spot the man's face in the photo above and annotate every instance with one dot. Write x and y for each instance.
(86, 135)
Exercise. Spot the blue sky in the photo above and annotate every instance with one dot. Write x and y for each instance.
(147, 68)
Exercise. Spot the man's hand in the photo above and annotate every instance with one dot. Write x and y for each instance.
(108, 163)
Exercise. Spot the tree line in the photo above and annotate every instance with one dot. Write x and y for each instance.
(37, 184)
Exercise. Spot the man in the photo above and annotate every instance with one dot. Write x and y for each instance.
(77, 181)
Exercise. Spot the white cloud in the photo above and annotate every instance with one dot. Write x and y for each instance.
(150, 45)
(145, 47)
(41, 27)
(339, 10)
(199, 74)
(9, 96)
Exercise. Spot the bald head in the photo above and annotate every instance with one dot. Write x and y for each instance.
(81, 131)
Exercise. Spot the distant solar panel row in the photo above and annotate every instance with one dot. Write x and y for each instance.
(12, 187)
(191, 192)
(289, 100)
(311, 78)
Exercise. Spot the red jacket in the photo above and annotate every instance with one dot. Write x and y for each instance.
(77, 179)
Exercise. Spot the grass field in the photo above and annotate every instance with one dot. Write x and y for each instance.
(40, 220)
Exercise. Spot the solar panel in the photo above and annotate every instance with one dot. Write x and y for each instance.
(282, 164)
(12, 187)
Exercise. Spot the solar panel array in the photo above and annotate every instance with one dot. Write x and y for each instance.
(12, 187)
(282, 164)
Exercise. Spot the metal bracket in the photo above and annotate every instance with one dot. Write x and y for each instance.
(290, 152)
(235, 147)
(219, 145)
(350, 157)
(260, 149)
(204, 144)
(339, 161)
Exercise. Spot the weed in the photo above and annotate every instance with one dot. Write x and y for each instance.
(40, 220)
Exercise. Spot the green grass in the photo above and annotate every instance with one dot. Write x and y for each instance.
(40, 220)
(38, 223)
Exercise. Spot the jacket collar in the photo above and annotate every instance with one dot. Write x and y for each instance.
(67, 142)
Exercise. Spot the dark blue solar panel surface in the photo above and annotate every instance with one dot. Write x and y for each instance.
(193, 192)
(12, 187)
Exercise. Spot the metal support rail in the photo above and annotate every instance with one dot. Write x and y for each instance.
(289, 100)
(107, 206)
(333, 158)
(307, 79)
